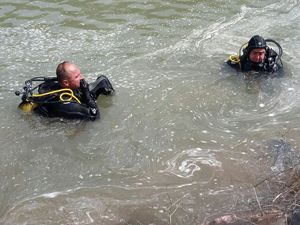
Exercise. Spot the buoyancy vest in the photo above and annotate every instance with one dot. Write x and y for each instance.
(64, 104)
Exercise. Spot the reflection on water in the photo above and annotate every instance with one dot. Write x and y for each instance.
(184, 136)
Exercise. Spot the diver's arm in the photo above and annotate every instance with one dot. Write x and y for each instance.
(101, 86)
(273, 61)
(70, 110)
(87, 97)
(80, 111)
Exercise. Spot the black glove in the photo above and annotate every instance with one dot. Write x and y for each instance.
(84, 86)
(87, 98)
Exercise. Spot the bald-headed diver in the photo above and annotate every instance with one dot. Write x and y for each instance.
(67, 95)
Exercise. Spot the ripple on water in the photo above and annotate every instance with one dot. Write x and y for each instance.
(85, 205)
(189, 162)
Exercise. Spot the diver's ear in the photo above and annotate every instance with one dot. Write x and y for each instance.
(65, 83)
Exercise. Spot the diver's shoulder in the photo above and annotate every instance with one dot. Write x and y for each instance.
(48, 86)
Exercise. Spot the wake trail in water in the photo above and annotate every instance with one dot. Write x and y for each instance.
(191, 40)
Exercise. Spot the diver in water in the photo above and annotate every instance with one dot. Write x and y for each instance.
(68, 95)
(256, 55)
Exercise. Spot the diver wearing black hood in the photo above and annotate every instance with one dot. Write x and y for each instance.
(258, 56)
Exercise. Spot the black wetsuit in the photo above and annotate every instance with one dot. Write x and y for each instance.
(270, 64)
(52, 106)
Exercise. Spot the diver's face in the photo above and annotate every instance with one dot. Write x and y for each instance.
(257, 55)
(74, 77)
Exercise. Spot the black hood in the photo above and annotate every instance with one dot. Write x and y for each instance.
(257, 42)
